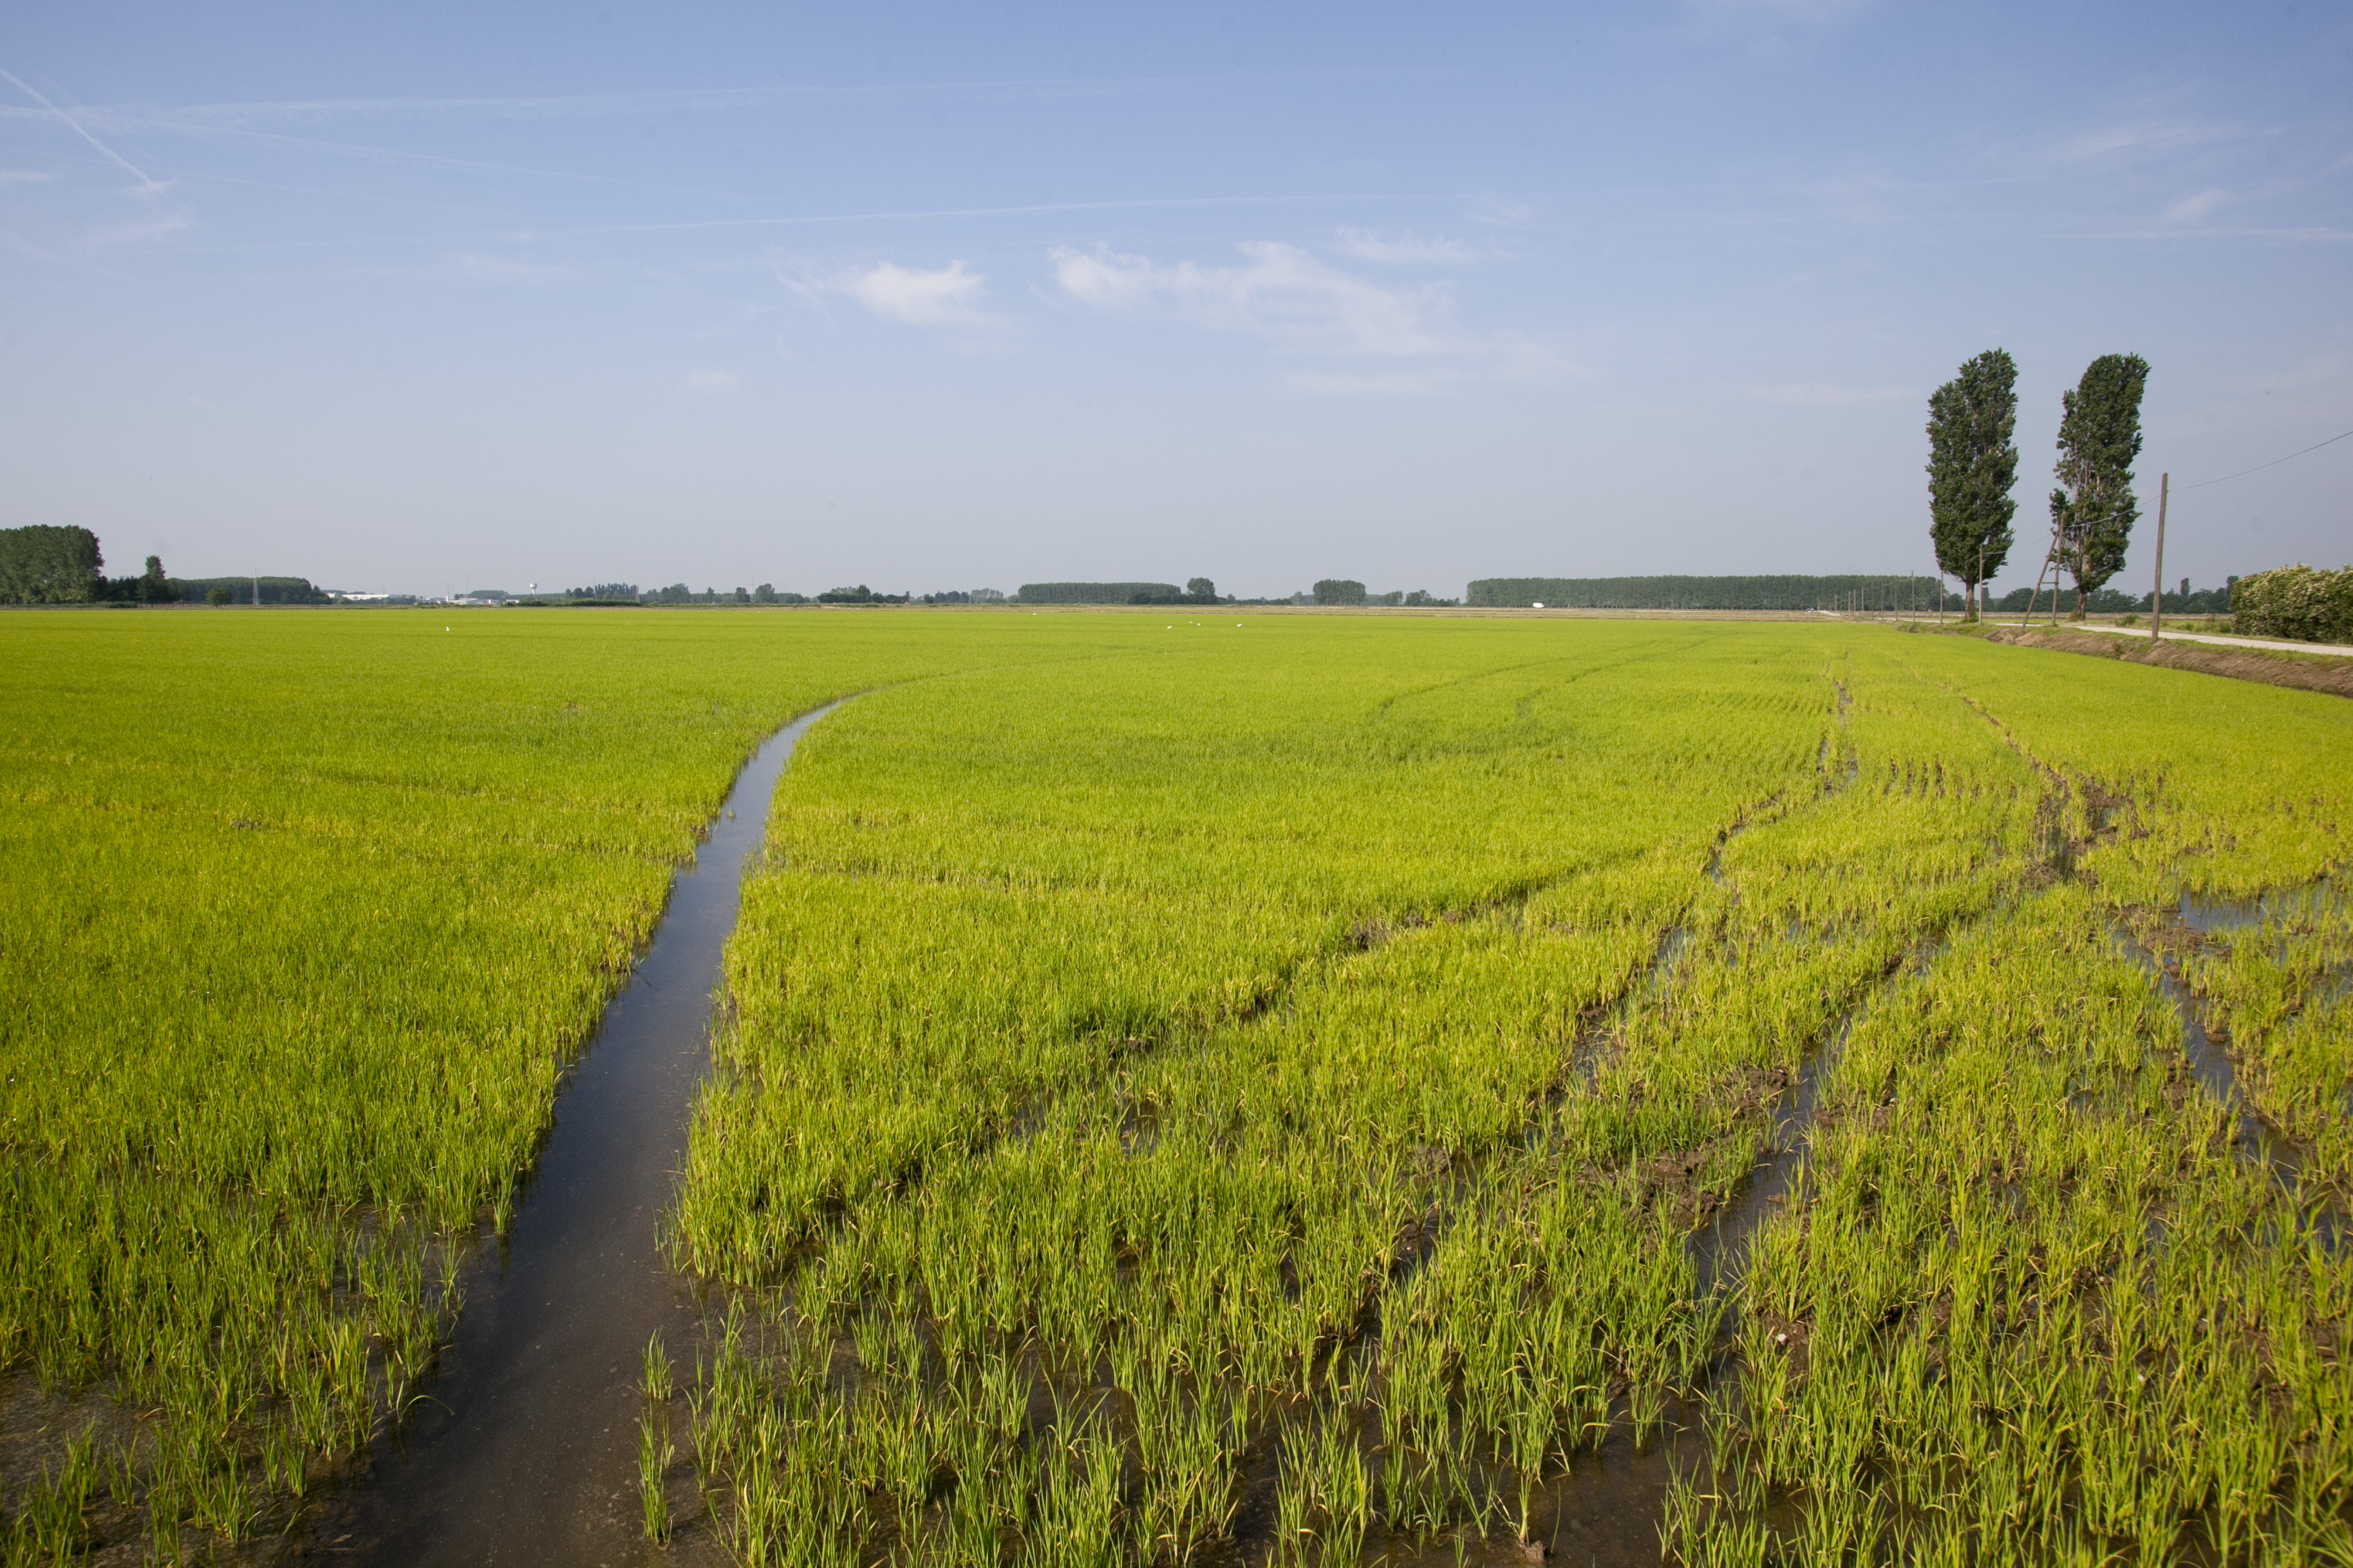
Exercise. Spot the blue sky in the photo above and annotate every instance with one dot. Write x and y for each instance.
(435, 297)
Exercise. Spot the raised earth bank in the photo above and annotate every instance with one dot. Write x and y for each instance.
(2304, 674)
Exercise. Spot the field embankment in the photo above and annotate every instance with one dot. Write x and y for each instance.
(2304, 674)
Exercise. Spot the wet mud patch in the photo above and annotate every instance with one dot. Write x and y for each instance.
(1602, 1508)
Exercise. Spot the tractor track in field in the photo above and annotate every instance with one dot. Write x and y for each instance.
(2153, 943)
(2255, 1139)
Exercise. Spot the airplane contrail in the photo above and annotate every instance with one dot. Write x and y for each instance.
(146, 182)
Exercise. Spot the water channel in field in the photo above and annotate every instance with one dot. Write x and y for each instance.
(523, 1446)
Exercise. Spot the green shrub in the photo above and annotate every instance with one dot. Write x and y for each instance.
(2296, 602)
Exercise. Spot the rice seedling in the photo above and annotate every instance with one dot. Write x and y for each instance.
(302, 919)
(1065, 1036)
(1295, 1089)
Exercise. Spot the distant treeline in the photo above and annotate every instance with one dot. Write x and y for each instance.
(40, 564)
(1099, 592)
(2182, 600)
(241, 590)
(1786, 593)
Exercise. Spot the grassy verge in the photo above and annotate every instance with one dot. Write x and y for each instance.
(2273, 667)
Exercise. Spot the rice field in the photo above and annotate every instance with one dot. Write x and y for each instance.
(1311, 1090)
(302, 918)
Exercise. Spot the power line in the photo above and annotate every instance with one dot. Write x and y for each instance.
(2274, 463)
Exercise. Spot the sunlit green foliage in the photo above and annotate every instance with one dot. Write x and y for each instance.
(1303, 1084)
(301, 918)
(1289, 1089)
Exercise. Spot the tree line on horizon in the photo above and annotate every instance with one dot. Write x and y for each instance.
(1757, 592)
(46, 564)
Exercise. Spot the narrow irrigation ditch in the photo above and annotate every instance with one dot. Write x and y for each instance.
(521, 1448)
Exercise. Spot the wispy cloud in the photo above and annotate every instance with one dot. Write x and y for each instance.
(2149, 134)
(2189, 209)
(1408, 248)
(24, 176)
(1308, 306)
(1284, 292)
(712, 382)
(948, 296)
(49, 111)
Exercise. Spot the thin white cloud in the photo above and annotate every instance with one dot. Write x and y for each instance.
(1818, 393)
(147, 184)
(712, 382)
(2150, 136)
(946, 296)
(24, 176)
(1307, 306)
(1283, 292)
(2189, 209)
(1408, 249)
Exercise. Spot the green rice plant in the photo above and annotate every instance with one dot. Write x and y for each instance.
(1225, 1041)
(301, 921)
(50, 1525)
(1070, 1040)
(655, 1452)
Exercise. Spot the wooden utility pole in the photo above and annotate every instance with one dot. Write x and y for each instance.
(2157, 596)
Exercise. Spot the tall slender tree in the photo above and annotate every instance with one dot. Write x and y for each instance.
(2093, 510)
(1972, 464)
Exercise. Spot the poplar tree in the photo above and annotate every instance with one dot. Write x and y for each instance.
(2093, 510)
(1972, 464)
